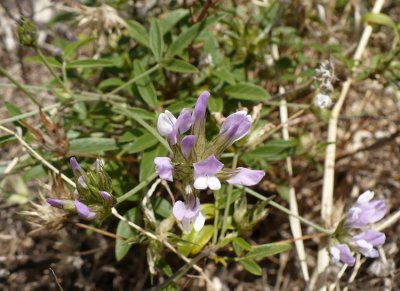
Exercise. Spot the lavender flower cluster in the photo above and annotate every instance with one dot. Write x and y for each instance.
(92, 196)
(365, 212)
(195, 161)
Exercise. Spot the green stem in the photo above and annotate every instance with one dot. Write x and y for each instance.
(228, 199)
(65, 78)
(150, 129)
(216, 217)
(28, 114)
(139, 187)
(51, 70)
(285, 210)
(131, 81)
(19, 86)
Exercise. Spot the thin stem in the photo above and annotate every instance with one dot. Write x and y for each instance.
(285, 210)
(130, 82)
(216, 216)
(50, 68)
(39, 157)
(19, 86)
(228, 199)
(65, 77)
(103, 232)
(138, 187)
(28, 114)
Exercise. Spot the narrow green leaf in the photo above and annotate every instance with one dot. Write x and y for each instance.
(161, 206)
(112, 82)
(171, 18)
(74, 46)
(189, 35)
(194, 241)
(179, 66)
(215, 104)
(251, 266)
(225, 75)
(156, 40)
(239, 245)
(90, 63)
(138, 32)
(266, 250)
(92, 145)
(51, 60)
(12, 109)
(247, 91)
(145, 86)
(379, 18)
(142, 143)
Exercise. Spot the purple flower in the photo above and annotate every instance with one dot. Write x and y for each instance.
(246, 177)
(164, 168)
(235, 126)
(199, 111)
(367, 240)
(58, 203)
(366, 211)
(106, 196)
(76, 168)
(82, 182)
(184, 121)
(189, 211)
(83, 210)
(341, 252)
(204, 174)
(187, 144)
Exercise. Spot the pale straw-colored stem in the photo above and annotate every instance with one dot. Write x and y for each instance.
(329, 167)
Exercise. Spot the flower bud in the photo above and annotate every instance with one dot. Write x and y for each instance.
(27, 33)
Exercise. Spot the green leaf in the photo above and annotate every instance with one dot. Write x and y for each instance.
(275, 150)
(171, 18)
(379, 18)
(266, 250)
(156, 40)
(73, 46)
(90, 63)
(12, 109)
(179, 66)
(124, 230)
(215, 104)
(142, 143)
(194, 241)
(239, 245)
(51, 60)
(145, 86)
(138, 32)
(225, 75)
(92, 145)
(161, 206)
(251, 266)
(147, 162)
(247, 91)
(112, 82)
(189, 35)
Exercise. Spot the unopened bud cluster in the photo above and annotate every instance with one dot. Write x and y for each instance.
(195, 160)
(93, 197)
(27, 33)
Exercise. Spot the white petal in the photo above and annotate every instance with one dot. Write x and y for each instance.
(214, 183)
(200, 183)
(198, 221)
(165, 123)
(335, 252)
(179, 210)
(185, 224)
(365, 197)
